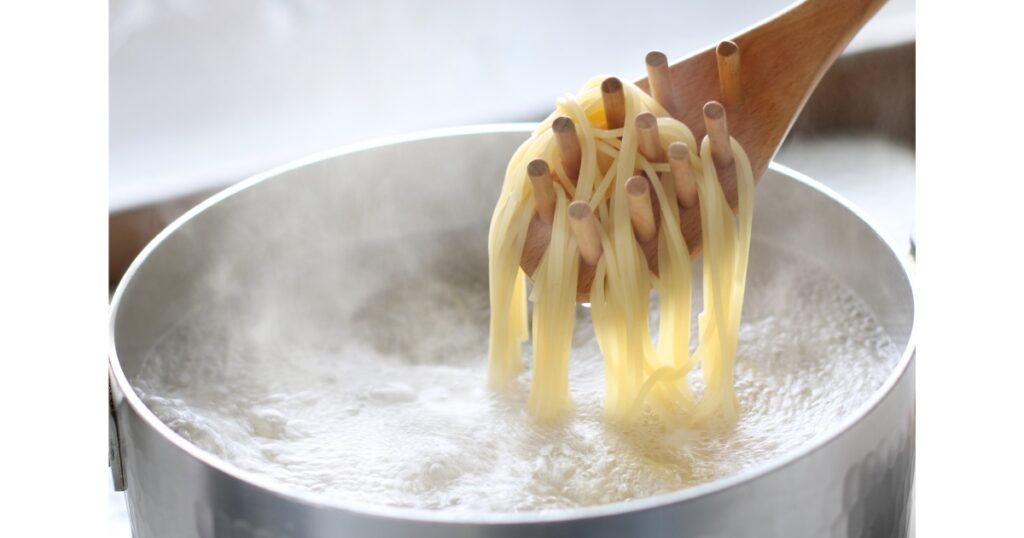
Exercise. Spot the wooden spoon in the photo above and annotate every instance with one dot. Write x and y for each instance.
(760, 78)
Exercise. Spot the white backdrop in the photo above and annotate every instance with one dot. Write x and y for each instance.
(205, 92)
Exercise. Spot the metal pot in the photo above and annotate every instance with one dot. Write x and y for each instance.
(853, 481)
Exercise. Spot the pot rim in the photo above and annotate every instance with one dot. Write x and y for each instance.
(316, 500)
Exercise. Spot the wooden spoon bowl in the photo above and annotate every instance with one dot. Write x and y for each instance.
(761, 78)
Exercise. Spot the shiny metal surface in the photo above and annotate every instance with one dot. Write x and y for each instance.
(852, 481)
(114, 445)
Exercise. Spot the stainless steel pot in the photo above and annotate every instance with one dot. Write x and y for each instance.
(853, 481)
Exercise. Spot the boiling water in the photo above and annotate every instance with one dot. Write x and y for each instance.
(383, 399)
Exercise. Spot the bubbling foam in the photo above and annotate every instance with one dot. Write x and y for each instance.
(394, 409)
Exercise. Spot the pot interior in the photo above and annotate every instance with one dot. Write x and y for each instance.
(333, 248)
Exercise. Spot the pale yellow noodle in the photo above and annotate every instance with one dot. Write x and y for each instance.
(638, 372)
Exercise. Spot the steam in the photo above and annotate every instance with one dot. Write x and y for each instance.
(338, 346)
(334, 253)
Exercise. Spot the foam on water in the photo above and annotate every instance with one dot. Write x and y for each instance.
(393, 409)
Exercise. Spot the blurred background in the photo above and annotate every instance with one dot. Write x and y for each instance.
(206, 92)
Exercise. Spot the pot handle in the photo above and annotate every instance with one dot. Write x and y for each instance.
(114, 447)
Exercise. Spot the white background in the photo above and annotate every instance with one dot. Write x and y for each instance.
(206, 92)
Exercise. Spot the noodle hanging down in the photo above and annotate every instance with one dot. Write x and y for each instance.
(639, 373)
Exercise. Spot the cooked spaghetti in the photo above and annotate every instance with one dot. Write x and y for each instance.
(641, 371)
